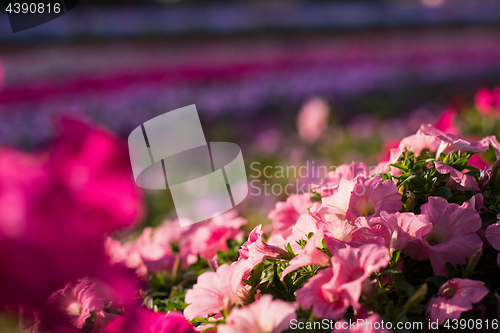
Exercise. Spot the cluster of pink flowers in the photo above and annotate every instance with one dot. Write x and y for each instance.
(415, 238)
(342, 245)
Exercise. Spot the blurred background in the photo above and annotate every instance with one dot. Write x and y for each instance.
(375, 70)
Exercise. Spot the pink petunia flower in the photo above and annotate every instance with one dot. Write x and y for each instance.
(312, 120)
(455, 297)
(458, 180)
(372, 196)
(142, 320)
(77, 300)
(361, 197)
(255, 250)
(404, 230)
(493, 236)
(332, 290)
(310, 256)
(341, 234)
(286, 214)
(215, 290)
(453, 235)
(352, 266)
(418, 142)
(332, 180)
(304, 226)
(323, 295)
(263, 316)
(493, 142)
(452, 142)
(206, 238)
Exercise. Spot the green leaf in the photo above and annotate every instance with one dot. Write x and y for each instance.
(400, 167)
(443, 192)
(437, 280)
(391, 270)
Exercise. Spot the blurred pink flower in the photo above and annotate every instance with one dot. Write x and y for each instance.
(371, 324)
(58, 206)
(206, 238)
(309, 256)
(446, 121)
(29, 320)
(458, 180)
(286, 214)
(403, 230)
(255, 250)
(142, 320)
(455, 297)
(452, 142)
(488, 101)
(478, 162)
(332, 180)
(265, 315)
(77, 300)
(312, 120)
(453, 235)
(94, 166)
(215, 290)
(493, 236)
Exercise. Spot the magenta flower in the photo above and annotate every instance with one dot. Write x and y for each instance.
(493, 236)
(77, 300)
(58, 206)
(332, 180)
(446, 121)
(142, 320)
(216, 290)
(285, 214)
(458, 179)
(453, 235)
(265, 315)
(94, 166)
(256, 250)
(404, 230)
(488, 101)
(312, 120)
(455, 297)
(310, 256)
(452, 142)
